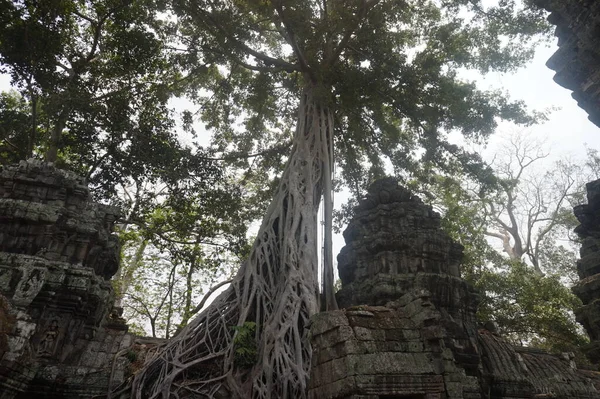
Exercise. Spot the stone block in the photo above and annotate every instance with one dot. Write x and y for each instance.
(368, 334)
(334, 390)
(323, 322)
(332, 337)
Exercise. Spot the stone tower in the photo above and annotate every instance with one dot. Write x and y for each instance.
(395, 245)
(408, 327)
(588, 268)
(57, 253)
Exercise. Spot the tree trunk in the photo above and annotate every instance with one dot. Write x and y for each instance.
(187, 308)
(124, 277)
(276, 288)
(55, 136)
(32, 140)
(329, 302)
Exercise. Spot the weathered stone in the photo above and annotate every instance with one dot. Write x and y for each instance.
(424, 342)
(396, 246)
(577, 60)
(57, 252)
(588, 268)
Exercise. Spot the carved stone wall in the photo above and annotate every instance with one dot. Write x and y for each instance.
(408, 328)
(588, 268)
(58, 338)
(394, 244)
(577, 61)
(399, 350)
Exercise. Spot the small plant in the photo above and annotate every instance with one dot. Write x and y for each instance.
(245, 345)
(131, 356)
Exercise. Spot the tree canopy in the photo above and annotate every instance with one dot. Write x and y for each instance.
(520, 249)
(321, 93)
(354, 84)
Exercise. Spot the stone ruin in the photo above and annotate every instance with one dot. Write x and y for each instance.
(60, 336)
(408, 327)
(588, 268)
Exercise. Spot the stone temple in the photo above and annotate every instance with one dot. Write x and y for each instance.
(408, 327)
(60, 336)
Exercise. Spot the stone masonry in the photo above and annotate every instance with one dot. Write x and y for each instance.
(408, 327)
(588, 268)
(58, 336)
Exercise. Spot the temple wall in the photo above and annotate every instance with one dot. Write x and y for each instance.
(59, 333)
(408, 325)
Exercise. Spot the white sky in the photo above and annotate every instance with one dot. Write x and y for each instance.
(568, 128)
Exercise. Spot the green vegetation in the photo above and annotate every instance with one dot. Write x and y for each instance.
(301, 99)
(245, 345)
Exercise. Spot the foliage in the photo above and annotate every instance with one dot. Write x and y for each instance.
(93, 82)
(389, 70)
(14, 113)
(374, 80)
(245, 345)
(530, 308)
(525, 283)
(94, 79)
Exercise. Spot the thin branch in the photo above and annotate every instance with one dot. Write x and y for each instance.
(208, 294)
(289, 36)
(366, 6)
(234, 156)
(82, 16)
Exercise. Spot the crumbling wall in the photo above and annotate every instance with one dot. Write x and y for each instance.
(58, 337)
(408, 328)
(588, 268)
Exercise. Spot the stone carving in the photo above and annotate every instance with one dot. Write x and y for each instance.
(57, 253)
(408, 328)
(29, 286)
(48, 342)
(394, 244)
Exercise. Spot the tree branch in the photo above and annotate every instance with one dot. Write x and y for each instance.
(244, 47)
(289, 36)
(366, 6)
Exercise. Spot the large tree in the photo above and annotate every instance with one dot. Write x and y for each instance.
(94, 79)
(372, 79)
(517, 232)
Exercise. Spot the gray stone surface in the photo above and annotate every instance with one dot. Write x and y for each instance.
(588, 287)
(58, 336)
(394, 245)
(577, 60)
(424, 342)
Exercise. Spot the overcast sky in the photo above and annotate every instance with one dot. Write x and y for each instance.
(568, 128)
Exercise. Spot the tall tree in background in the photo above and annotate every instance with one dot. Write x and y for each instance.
(93, 80)
(534, 202)
(374, 79)
(525, 281)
